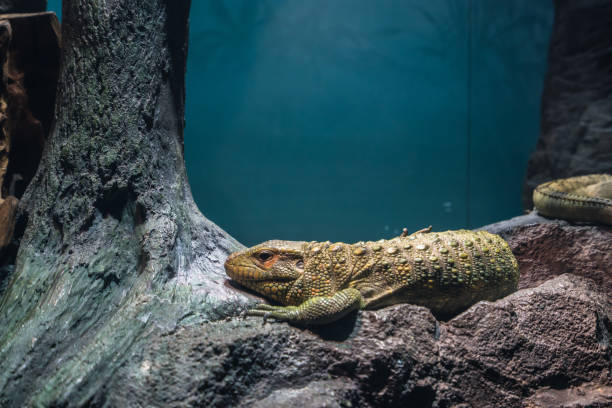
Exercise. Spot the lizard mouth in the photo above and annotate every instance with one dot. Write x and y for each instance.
(248, 272)
(242, 273)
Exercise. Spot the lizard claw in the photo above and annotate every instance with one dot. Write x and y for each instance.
(265, 306)
(279, 313)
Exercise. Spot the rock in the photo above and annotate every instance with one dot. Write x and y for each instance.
(547, 345)
(542, 346)
(553, 337)
(30, 46)
(8, 207)
(22, 6)
(330, 394)
(576, 135)
(8, 249)
(547, 248)
(507, 227)
(29, 56)
(575, 397)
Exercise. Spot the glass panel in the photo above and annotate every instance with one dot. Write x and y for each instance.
(55, 6)
(321, 120)
(508, 61)
(348, 120)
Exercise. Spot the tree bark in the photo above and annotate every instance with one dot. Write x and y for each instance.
(114, 249)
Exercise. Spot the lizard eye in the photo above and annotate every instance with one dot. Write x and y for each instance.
(299, 264)
(264, 255)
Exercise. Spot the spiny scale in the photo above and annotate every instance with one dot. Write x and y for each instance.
(319, 282)
(582, 198)
(445, 271)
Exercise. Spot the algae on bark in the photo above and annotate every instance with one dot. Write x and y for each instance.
(114, 248)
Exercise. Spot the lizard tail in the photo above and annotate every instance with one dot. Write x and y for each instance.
(582, 198)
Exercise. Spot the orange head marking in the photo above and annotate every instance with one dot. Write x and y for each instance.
(270, 268)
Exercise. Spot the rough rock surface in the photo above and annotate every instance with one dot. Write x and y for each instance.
(576, 134)
(29, 61)
(7, 220)
(543, 346)
(547, 248)
(30, 45)
(575, 397)
(553, 337)
(8, 248)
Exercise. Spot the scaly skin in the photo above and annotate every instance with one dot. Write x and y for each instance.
(583, 198)
(319, 282)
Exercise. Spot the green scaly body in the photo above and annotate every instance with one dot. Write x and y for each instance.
(582, 198)
(319, 282)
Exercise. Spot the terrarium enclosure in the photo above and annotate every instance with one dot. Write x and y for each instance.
(143, 141)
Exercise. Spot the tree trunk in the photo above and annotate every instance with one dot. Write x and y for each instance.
(114, 248)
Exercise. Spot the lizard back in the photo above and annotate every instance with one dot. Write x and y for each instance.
(318, 282)
(444, 271)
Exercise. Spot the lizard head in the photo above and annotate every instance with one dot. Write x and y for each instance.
(270, 268)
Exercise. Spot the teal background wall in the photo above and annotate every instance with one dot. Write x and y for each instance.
(55, 6)
(351, 119)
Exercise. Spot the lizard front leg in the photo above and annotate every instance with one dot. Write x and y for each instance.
(316, 310)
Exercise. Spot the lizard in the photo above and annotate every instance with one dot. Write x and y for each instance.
(583, 198)
(320, 282)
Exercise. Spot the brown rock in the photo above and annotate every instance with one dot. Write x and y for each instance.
(29, 56)
(30, 52)
(544, 346)
(575, 397)
(496, 354)
(547, 248)
(537, 338)
(576, 135)
(8, 209)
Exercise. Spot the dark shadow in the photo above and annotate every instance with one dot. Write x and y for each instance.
(445, 317)
(339, 330)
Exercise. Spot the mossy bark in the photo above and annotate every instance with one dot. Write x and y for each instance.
(114, 250)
